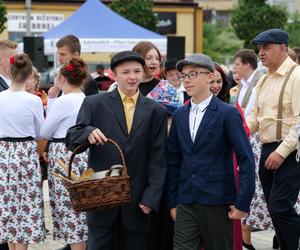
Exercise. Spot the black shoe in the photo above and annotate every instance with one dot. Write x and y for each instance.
(275, 242)
(66, 247)
(248, 246)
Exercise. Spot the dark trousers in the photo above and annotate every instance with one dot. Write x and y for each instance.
(198, 225)
(4, 246)
(281, 189)
(116, 237)
(161, 233)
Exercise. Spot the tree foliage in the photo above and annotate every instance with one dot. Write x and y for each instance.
(220, 42)
(138, 11)
(251, 17)
(3, 18)
(293, 28)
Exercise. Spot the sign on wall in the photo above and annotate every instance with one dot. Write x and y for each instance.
(166, 23)
(39, 22)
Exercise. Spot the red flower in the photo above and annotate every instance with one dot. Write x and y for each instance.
(70, 67)
(12, 60)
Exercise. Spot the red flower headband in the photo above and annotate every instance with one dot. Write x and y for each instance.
(70, 67)
(12, 60)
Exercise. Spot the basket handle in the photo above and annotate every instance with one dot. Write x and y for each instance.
(82, 146)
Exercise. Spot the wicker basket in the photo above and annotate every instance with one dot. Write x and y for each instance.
(99, 193)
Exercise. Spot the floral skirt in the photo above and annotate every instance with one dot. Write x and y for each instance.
(68, 225)
(259, 216)
(21, 193)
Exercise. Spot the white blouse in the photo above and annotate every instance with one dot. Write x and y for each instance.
(61, 115)
(21, 114)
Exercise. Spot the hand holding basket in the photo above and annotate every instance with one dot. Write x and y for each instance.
(94, 194)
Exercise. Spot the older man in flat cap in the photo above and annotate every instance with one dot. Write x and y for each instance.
(274, 116)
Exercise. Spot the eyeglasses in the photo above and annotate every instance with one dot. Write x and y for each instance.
(192, 75)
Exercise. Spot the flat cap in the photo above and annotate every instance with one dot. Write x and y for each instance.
(198, 60)
(276, 36)
(125, 56)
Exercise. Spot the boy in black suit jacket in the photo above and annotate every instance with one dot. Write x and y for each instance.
(139, 126)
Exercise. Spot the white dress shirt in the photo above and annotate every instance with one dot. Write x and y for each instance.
(197, 112)
(180, 94)
(244, 87)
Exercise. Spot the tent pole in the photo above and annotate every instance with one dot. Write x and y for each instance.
(28, 17)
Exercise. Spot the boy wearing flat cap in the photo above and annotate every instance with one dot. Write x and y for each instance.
(139, 126)
(201, 187)
(274, 116)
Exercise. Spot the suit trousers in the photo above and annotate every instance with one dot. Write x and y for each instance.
(281, 189)
(4, 246)
(201, 225)
(115, 237)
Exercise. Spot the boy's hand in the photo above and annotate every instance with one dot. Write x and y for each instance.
(234, 213)
(173, 213)
(145, 209)
(97, 137)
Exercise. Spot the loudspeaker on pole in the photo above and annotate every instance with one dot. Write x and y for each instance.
(175, 47)
(34, 47)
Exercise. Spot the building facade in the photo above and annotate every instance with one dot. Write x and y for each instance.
(183, 16)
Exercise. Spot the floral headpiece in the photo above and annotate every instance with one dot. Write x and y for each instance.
(70, 67)
(12, 60)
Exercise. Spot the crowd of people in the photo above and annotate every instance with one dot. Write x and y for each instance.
(211, 154)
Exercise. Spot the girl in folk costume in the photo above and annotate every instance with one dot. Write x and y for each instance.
(61, 115)
(21, 201)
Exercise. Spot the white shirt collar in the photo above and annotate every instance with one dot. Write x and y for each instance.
(246, 83)
(202, 105)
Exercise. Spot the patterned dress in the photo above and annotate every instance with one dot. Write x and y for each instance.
(259, 216)
(67, 224)
(21, 200)
(62, 112)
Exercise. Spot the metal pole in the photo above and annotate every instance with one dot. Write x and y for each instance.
(28, 17)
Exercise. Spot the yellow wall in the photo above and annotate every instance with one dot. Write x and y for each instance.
(189, 24)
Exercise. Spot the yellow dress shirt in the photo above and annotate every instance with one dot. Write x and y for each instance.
(263, 117)
(129, 104)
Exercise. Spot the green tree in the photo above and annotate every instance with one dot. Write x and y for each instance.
(251, 17)
(3, 18)
(220, 42)
(138, 11)
(293, 28)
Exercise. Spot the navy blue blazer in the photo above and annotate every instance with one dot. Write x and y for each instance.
(202, 172)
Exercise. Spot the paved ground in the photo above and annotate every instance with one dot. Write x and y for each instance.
(261, 240)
